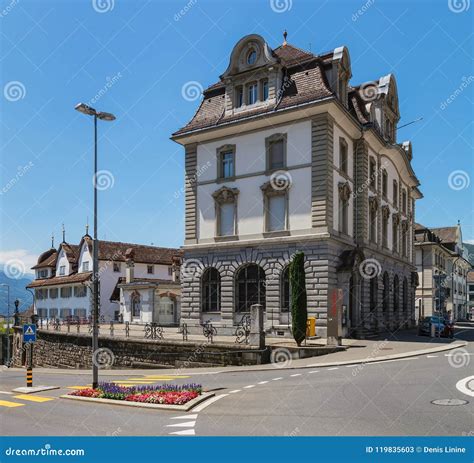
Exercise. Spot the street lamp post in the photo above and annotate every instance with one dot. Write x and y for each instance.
(8, 322)
(88, 111)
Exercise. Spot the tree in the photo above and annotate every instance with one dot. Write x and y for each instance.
(299, 313)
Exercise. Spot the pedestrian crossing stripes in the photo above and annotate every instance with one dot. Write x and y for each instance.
(25, 398)
(8, 404)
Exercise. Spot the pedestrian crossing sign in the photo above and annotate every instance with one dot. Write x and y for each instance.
(29, 333)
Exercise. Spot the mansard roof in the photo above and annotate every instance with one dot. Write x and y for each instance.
(47, 259)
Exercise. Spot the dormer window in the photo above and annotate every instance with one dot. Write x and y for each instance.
(85, 266)
(251, 57)
(62, 270)
(252, 93)
(239, 96)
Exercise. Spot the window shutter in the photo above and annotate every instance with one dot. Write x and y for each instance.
(276, 213)
(227, 219)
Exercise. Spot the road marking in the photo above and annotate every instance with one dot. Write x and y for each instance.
(186, 432)
(334, 368)
(234, 391)
(296, 374)
(431, 356)
(33, 398)
(314, 371)
(461, 385)
(5, 392)
(352, 366)
(78, 387)
(185, 417)
(6, 403)
(263, 382)
(165, 377)
(249, 386)
(132, 384)
(277, 379)
(393, 360)
(187, 424)
(209, 402)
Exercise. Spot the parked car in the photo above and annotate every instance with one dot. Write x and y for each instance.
(443, 328)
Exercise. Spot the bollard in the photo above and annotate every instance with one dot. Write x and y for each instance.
(29, 377)
(257, 332)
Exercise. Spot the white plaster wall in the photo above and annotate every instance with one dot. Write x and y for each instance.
(64, 303)
(62, 260)
(84, 256)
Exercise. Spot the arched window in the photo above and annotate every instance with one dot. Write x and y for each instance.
(405, 294)
(135, 304)
(373, 293)
(250, 287)
(285, 289)
(211, 290)
(251, 57)
(396, 294)
(386, 291)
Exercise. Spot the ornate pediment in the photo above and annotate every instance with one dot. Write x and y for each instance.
(373, 203)
(385, 212)
(396, 218)
(226, 195)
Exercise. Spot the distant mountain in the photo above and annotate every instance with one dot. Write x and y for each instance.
(470, 249)
(17, 291)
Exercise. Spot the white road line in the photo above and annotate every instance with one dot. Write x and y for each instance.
(250, 386)
(277, 379)
(185, 417)
(334, 368)
(314, 371)
(6, 392)
(393, 360)
(461, 385)
(234, 391)
(209, 402)
(431, 356)
(296, 374)
(185, 432)
(263, 382)
(187, 424)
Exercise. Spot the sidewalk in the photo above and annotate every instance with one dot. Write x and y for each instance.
(406, 344)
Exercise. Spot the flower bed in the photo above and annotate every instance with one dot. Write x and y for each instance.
(168, 394)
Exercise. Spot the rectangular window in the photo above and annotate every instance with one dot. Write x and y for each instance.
(85, 266)
(62, 270)
(53, 293)
(372, 175)
(226, 227)
(385, 232)
(404, 201)
(150, 270)
(42, 313)
(42, 274)
(53, 313)
(227, 164)
(252, 94)
(66, 291)
(384, 183)
(276, 154)
(170, 271)
(395, 237)
(80, 313)
(276, 218)
(65, 313)
(80, 291)
(239, 97)
(116, 267)
(343, 163)
(265, 90)
(373, 226)
(343, 216)
(41, 294)
(395, 193)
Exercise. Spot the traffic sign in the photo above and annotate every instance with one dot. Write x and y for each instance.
(29, 333)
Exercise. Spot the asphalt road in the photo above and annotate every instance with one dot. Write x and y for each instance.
(386, 398)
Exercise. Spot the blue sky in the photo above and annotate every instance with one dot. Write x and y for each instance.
(132, 58)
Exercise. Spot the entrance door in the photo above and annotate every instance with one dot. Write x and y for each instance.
(352, 304)
(166, 311)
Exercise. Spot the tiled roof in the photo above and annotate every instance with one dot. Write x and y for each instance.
(61, 280)
(115, 296)
(47, 259)
(470, 276)
(446, 234)
(306, 83)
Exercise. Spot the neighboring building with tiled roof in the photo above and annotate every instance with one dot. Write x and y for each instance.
(285, 153)
(443, 271)
(64, 276)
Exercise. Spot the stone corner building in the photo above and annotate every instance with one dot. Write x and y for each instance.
(285, 155)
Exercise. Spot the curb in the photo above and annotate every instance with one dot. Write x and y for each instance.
(182, 408)
(414, 353)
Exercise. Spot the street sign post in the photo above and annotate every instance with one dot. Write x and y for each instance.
(29, 338)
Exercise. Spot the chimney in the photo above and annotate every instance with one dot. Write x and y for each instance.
(129, 271)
